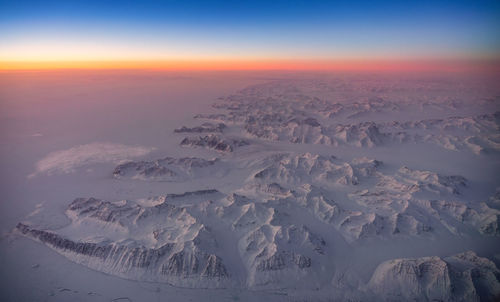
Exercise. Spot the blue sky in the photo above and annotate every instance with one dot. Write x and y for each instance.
(263, 29)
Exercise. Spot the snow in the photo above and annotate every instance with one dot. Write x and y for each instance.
(305, 187)
(67, 161)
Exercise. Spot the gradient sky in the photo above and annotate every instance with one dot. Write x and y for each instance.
(228, 32)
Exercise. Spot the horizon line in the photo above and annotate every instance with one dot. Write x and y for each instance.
(259, 64)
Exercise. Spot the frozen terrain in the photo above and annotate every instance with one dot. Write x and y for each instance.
(278, 187)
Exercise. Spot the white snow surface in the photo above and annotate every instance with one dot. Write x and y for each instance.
(307, 187)
(69, 160)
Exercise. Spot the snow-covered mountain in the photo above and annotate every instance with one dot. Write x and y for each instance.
(168, 169)
(462, 277)
(305, 182)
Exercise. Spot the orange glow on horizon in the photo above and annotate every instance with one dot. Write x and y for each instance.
(263, 64)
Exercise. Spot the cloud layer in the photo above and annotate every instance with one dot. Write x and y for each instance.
(67, 161)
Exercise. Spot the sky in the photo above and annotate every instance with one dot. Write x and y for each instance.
(248, 34)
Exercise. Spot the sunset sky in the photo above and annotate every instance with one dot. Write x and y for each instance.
(249, 35)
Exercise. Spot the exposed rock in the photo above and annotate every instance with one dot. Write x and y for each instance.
(204, 128)
(282, 260)
(167, 169)
(214, 142)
